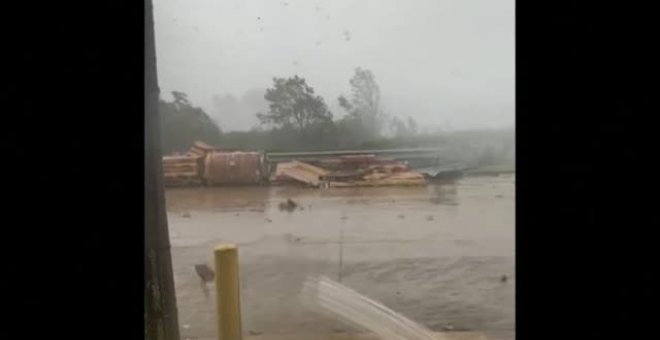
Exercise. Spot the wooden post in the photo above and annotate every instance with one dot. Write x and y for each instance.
(227, 292)
(161, 321)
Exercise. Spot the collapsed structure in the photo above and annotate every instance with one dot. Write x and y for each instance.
(349, 171)
(204, 164)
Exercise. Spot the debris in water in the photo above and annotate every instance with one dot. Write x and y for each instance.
(499, 196)
(268, 220)
(504, 278)
(448, 328)
(255, 333)
(186, 326)
(429, 218)
(186, 214)
(344, 218)
(402, 216)
(206, 274)
(289, 205)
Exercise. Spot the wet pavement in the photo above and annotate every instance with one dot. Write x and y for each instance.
(442, 255)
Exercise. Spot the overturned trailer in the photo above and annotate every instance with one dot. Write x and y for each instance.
(204, 164)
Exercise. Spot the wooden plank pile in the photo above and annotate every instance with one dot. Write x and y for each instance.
(383, 175)
(300, 172)
(349, 171)
(182, 170)
(200, 148)
(186, 169)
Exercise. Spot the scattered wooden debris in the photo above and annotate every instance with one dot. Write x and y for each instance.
(300, 172)
(206, 164)
(359, 171)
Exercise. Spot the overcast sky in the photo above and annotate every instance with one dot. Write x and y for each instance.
(438, 61)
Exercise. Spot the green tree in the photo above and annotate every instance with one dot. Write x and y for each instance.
(364, 109)
(182, 124)
(293, 105)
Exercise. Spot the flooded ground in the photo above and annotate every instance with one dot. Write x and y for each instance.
(442, 255)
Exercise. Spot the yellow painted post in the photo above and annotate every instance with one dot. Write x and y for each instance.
(227, 292)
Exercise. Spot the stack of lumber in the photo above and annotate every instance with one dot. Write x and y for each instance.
(182, 170)
(186, 169)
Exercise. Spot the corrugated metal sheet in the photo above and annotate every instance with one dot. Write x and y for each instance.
(234, 168)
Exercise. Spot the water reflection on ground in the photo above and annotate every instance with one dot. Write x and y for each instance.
(435, 253)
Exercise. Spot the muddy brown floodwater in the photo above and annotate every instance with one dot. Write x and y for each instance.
(442, 255)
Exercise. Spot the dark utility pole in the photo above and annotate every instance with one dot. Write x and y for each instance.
(161, 322)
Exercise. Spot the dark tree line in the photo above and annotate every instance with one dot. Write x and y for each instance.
(298, 119)
(182, 124)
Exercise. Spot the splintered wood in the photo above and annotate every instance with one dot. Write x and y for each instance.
(301, 172)
(386, 174)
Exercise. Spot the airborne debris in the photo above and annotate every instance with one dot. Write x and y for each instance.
(347, 35)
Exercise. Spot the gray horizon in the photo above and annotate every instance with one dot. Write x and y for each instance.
(447, 64)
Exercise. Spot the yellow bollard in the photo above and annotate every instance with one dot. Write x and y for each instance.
(227, 292)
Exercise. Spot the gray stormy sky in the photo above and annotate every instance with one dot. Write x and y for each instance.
(438, 61)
